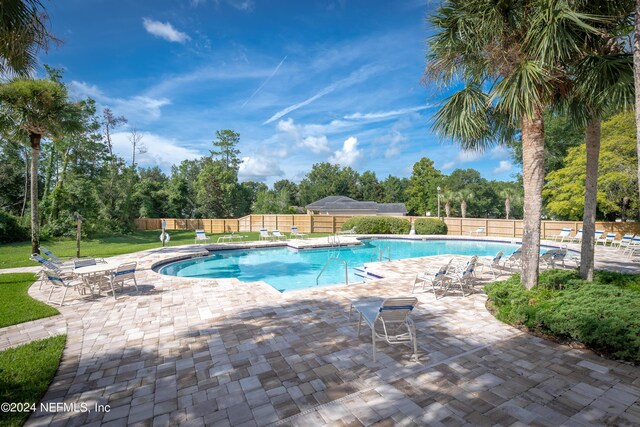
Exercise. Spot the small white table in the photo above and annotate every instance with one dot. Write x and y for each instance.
(99, 269)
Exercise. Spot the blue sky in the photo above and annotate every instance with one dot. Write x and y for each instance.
(301, 81)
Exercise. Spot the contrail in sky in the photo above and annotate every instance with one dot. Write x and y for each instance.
(265, 82)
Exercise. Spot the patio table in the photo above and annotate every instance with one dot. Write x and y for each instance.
(95, 275)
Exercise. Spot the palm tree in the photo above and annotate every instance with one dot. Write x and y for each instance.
(35, 108)
(464, 196)
(603, 83)
(636, 78)
(23, 33)
(447, 196)
(510, 57)
(510, 197)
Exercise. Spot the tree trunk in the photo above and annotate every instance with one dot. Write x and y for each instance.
(447, 209)
(592, 142)
(636, 79)
(533, 177)
(463, 209)
(34, 140)
(26, 182)
(507, 206)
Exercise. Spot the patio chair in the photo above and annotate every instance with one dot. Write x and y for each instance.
(577, 238)
(464, 278)
(57, 282)
(277, 235)
(597, 235)
(230, 237)
(265, 235)
(389, 321)
(608, 238)
(514, 259)
(632, 247)
(201, 237)
(65, 272)
(296, 234)
(83, 262)
(435, 278)
(352, 230)
(54, 259)
(493, 263)
(565, 233)
(124, 273)
(623, 242)
(480, 231)
(552, 256)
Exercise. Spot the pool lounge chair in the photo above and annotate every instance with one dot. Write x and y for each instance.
(493, 263)
(295, 234)
(265, 235)
(201, 237)
(578, 237)
(597, 235)
(389, 321)
(480, 231)
(230, 237)
(553, 256)
(608, 238)
(515, 259)
(623, 242)
(435, 278)
(565, 233)
(277, 235)
(464, 278)
(55, 259)
(632, 248)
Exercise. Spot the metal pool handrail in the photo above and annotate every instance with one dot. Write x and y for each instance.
(346, 269)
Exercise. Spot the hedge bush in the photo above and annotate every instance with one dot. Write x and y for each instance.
(430, 226)
(377, 225)
(602, 314)
(11, 230)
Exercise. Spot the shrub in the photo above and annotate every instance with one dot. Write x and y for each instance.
(602, 314)
(11, 230)
(430, 226)
(377, 225)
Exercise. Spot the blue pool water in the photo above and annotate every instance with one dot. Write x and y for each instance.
(289, 269)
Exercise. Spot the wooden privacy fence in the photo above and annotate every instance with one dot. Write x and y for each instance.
(333, 224)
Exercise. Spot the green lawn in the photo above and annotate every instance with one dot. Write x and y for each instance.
(17, 306)
(25, 374)
(17, 254)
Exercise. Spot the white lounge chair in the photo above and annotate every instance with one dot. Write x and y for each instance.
(515, 259)
(201, 237)
(230, 237)
(389, 321)
(493, 263)
(55, 259)
(480, 231)
(83, 262)
(597, 236)
(577, 238)
(565, 233)
(464, 278)
(265, 235)
(632, 248)
(552, 256)
(608, 238)
(623, 242)
(277, 235)
(65, 272)
(296, 234)
(435, 278)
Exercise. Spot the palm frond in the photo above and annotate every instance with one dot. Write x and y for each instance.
(605, 80)
(525, 89)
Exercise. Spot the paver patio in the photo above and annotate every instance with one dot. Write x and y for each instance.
(222, 352)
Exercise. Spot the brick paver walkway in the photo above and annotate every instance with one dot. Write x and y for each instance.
(222, 352)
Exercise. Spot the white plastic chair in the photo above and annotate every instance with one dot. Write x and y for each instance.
(389, 321)
(565, 233)
(434, 278)
(464, 278)
(58, 282)
(492, 263)
(201, 237)
(480, 231)
(608, 238)
(277, 235)
(623, 242)
(296, 234)
(265, 235)
(578, 237)
(124, 273)
(515, 259)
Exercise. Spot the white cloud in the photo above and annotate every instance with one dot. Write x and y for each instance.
(161, 151)
(500, 152)
(141, 109)
(164, 30)
(504, 167)
(265, 82)
(258, 169)
(317, 144)
(466, 156)
(242, 4)
(385, 114)
(348, 154)
(357, 76)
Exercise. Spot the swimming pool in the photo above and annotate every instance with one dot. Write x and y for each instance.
(288, 269)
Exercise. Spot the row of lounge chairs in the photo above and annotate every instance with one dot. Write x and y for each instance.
(265, 234)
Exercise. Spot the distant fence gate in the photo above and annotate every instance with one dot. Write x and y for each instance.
(333, 224)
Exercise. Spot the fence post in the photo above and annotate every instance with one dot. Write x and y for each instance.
(544, 229)
(333, 224)
(461, 226)
(486, 227)
(310, 223)
(514, 228)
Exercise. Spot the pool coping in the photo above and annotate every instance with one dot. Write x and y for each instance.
(324, 242)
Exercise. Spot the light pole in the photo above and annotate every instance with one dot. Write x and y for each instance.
(438, 201)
